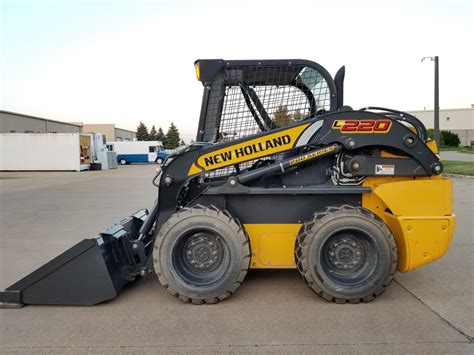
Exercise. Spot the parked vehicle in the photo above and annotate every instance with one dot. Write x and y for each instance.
(45, 151)
(290, 178)
(138, 152)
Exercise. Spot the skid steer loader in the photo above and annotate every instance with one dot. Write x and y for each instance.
(283, 175)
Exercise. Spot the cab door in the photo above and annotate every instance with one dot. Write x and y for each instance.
(152, 150)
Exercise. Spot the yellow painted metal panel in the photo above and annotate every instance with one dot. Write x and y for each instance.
(414, 197)
(420, 240)
(272, 245)
(432, 145)
(249, 149)
(421, 218)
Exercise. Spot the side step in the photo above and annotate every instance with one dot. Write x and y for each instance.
(92, 271)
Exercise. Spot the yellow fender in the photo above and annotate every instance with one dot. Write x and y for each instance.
(419, 214)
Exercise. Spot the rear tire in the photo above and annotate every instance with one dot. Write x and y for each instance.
(346, 254)
(123, 162)
(201, 254)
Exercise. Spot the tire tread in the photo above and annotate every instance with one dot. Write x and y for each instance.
(305, 235)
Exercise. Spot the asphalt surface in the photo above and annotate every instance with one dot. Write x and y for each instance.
(429, 310)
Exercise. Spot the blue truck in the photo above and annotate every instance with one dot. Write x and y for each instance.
(138, 151)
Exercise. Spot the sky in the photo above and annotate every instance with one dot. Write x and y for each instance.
(122, 62)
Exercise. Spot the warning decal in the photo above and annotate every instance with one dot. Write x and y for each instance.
(384, 169)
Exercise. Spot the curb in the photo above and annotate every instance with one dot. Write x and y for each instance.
(457, 176)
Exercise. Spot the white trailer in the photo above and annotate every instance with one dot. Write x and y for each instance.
(44, 151)
(138, 151)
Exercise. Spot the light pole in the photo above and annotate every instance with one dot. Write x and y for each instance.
(436, 97)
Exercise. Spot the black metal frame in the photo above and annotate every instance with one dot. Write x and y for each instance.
(213, 76)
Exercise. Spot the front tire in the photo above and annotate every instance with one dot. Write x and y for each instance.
(123, 162)
(201, 255)
(159, 160)
(346, 254)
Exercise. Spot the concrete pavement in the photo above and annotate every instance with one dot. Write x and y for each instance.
(42, 214)
(456, 156)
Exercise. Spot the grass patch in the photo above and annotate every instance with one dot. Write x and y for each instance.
(466, 150)
(458, 167)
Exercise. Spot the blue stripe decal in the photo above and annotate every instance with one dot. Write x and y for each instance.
(133, 158)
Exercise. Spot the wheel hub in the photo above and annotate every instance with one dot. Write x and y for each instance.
(346, 253)
(203, 251)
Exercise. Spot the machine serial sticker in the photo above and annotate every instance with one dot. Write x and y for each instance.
(384, 169)
(248, 150)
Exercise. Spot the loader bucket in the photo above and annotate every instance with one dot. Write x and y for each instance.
(92, 271)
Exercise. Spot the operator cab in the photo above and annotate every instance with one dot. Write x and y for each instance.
(245, 97)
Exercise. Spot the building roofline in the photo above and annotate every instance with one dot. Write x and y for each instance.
(443, 109)
(126, 130)
(108, 124)
(39, 118)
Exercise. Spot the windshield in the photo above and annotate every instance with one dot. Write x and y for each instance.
(180, 149)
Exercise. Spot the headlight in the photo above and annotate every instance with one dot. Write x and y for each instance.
(198, 69)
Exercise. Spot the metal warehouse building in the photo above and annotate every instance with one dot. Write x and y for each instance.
(112, 133)
(12, 122)
(456, 120)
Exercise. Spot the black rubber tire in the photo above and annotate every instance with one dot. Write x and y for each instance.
(159, 160)
(169, 245)
(123, 162)
(377, 245)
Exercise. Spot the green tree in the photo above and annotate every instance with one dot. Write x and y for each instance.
(446, 138)
(172, 138)
(160, 136)
(153, 133)
(297, 116)
(182, 142)
(450, 139)
(142, 132)
(282, 117)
